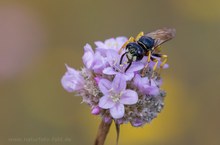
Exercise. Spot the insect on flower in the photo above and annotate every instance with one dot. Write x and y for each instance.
(118, 88)
(147, 45)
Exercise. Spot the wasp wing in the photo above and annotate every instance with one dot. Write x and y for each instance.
(162, 35)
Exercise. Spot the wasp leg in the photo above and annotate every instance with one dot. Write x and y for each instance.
(131, 39)
(155, 65)
(146, 66)
(165, 58)
(139, 36)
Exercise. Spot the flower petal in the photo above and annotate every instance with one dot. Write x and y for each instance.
(166, 66)
(112, 57)
(88, 47)
(153, 83)
(67, 84)
(137, 80)
(105, 102)
(72, 80)
(129, 97)
(111, 43)
(109, 71)
(141, 83)
(104, 86)
(135, 67)
(88, 56)
(120, 41)
(98, 63)
(152, 90)
(102, 51)
(128, 75)
(119, 83)
(100, 44)
(71, 71)
(137, 122)
(117, 111)
(96, 110)
(155, 91)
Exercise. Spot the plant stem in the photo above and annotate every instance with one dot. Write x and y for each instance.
(102, 133)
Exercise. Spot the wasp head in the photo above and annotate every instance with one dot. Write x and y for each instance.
(134, 52)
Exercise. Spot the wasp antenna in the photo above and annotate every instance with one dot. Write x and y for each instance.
(128, 66)
(122, 57)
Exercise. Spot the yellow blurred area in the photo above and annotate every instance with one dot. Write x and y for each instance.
(38, 37)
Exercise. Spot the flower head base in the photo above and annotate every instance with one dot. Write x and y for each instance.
(113, 93)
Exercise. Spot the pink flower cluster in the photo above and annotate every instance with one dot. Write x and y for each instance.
(111, 92)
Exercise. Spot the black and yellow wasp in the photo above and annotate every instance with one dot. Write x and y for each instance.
(147, 45)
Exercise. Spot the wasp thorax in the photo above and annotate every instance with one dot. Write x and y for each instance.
(146, 42)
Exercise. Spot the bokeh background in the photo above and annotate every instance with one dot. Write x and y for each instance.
(38, 37)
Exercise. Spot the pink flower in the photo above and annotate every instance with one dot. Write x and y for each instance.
(88, 56)
(93, 60)
(95, 110)
(146, 86)
(72, 80)
(112, 43)
(113, 86)
(113, 59)
(137, 122)
(116, 95)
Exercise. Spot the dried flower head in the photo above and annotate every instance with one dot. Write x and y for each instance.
(112, 92)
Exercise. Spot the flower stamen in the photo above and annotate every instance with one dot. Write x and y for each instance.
(115, 98)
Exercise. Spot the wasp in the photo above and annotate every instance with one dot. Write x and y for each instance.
(147, 45)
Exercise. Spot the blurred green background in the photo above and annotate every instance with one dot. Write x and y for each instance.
(38, 37)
